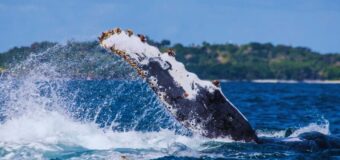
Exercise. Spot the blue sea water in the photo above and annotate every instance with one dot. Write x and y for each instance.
(113, 119)
(45, 114)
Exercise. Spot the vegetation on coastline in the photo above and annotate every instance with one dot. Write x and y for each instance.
(77, 60)
(258, 61)
(209, 61)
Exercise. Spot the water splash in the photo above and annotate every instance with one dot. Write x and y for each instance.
(43, 113)
(322, 127)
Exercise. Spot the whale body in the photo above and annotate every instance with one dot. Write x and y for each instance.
(197, 104)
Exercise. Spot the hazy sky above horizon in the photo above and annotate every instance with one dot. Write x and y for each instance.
(310, 23)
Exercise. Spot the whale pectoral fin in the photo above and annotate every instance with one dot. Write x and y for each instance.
(199, 105)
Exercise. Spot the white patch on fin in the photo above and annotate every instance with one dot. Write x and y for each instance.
(134, 48)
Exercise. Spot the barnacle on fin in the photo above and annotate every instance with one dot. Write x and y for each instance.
(117, 30)
(142, 37)
(216, 83)
(130, 32)
(171, 52)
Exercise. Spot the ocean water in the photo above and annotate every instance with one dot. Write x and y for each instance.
(44, 115)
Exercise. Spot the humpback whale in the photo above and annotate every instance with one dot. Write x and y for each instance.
(197, 104)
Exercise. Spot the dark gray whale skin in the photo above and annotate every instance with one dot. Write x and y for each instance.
(206, 111)
(212, 111)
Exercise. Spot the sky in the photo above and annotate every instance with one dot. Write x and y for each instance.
(309, 23)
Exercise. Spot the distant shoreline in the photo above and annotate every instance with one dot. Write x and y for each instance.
(288, 81)
(3, 75)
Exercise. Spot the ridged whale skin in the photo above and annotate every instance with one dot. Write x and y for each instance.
(199, 105)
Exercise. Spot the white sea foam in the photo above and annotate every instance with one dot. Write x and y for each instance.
(275, 134)
(322, 128)
(37, 126)
(50, 131)
(53, 128)
(317, 127)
